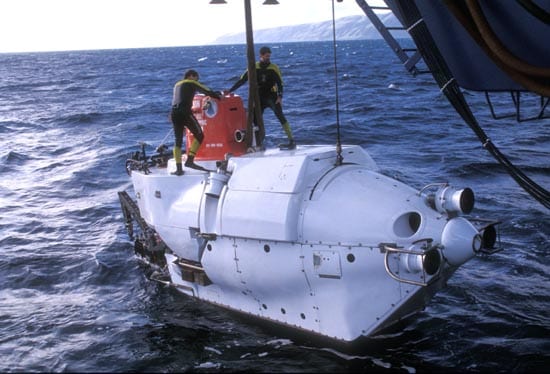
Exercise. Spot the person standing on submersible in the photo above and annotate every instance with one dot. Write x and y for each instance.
(270, 89)
(182, 116)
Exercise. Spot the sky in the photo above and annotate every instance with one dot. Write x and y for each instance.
(60, 25)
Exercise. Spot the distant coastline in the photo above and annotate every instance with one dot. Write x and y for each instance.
(347, 28)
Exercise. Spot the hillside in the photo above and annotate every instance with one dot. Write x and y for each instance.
(347, 28)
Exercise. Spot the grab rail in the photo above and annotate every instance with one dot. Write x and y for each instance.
(430, 260)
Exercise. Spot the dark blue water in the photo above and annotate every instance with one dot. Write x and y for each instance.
(74, 298)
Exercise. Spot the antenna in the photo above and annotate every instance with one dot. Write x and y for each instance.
(339, 157)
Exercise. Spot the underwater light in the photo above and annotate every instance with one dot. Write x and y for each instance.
(428, 262)
(489, 237)
(461, 241)
(448, 199)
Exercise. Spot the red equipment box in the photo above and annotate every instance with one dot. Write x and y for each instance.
(223, 123)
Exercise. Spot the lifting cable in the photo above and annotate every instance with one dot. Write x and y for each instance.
(339, 157)
(443, 76)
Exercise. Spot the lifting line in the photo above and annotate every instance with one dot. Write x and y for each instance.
(339, 157)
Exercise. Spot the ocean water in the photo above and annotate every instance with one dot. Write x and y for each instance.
(73, 297)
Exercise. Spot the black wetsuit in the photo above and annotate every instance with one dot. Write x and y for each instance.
(270, 87)
(182, 103)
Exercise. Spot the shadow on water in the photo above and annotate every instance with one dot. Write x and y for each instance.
(212, 338)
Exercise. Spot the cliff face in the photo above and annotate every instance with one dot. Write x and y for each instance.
(347, 28)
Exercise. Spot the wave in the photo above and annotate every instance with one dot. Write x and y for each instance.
(13, 158)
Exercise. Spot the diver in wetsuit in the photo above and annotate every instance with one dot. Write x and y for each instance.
(182, 116)
(270, 88)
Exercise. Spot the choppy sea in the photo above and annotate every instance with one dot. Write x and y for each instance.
(74, 298)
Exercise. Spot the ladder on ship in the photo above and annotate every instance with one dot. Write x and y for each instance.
(410, 57)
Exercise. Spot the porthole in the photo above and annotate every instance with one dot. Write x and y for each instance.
(210, 108)
(407, 224)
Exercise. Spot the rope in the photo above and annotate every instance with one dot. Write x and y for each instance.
(167, 135)
(414, 25)
(339, 157)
